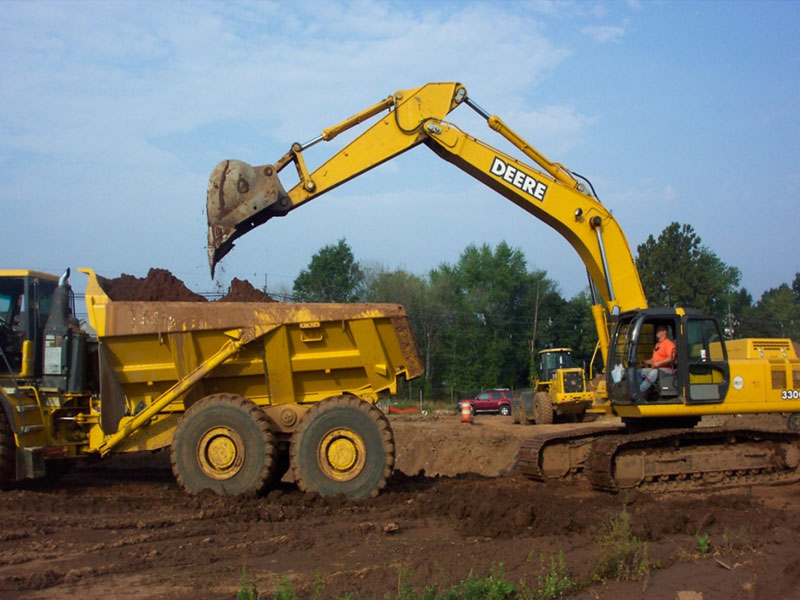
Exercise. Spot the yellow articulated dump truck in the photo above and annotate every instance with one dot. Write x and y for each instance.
(241, 391)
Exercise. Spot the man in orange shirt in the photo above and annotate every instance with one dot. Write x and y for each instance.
(663, 358)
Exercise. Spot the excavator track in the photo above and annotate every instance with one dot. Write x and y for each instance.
(664, 459)
(701, 458)
(559, 454)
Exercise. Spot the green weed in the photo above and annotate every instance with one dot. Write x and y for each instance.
(493, 587)
(246, 591)
(555, 583)
(703, 544)
(284, 589)
(623, 556)
(317, 588)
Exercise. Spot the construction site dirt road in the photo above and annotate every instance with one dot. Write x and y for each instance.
(122, 528)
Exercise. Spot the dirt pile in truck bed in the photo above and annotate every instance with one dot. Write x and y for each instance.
(243, 291)
(159, 285)
(162, 286)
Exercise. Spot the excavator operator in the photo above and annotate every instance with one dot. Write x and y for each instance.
(663, 358)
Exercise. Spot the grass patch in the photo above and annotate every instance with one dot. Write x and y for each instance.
(493, 587)
(555, 582)
(246, 591)
(623, 556)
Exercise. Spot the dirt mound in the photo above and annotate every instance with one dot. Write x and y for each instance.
(158, 285)
(243, 291)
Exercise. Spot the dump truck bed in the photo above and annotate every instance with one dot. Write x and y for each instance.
(275, 354)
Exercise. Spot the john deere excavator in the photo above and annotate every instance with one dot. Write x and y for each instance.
(659, 445)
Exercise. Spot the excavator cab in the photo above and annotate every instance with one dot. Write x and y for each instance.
(699, 375)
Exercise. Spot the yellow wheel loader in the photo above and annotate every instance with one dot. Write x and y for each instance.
(559, 392)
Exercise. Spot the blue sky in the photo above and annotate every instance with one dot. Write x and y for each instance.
(113, 114)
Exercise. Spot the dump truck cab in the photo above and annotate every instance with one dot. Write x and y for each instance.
(25, 298)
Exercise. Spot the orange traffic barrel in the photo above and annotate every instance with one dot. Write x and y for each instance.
(466, 413)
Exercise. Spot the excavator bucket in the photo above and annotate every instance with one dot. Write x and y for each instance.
(240, 197)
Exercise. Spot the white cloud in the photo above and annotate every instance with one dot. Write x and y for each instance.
(604, 33)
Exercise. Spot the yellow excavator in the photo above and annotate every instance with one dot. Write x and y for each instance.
(659, 446)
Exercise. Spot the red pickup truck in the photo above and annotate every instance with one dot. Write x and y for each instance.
(498, 401)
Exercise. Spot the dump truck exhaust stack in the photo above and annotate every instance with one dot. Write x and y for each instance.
(240, 197)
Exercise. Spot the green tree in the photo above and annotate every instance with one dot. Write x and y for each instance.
(677, 270)
(777, 314)
(489, 294)
(333, 275)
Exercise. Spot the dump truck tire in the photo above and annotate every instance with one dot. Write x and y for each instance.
(542, 409)
(224, 444)
(343, 445)
(8, 465)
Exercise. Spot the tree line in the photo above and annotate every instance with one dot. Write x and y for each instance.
(479, 322)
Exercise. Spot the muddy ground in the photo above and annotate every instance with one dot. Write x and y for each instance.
(121, 528)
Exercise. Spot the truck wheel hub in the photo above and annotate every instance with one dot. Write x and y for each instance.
(220, 453)
(342, 454)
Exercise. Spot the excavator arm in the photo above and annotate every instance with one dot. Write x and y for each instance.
(241, 197)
